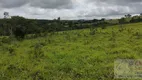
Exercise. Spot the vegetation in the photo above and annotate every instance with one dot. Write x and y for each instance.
(17, 24)
(86, 54)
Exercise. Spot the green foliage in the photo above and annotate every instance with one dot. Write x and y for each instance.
(70, 55)
(38, 50)
(9, 27)
(92, 31)
(121, 21)
(5, 40)
(19, 32)
(11, 50)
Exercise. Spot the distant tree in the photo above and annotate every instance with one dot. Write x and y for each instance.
(140, 14)
(104, 25)
(103, 19)
(32, 27)
(71, 25)
(18, 20)
(95, 20)
(59, 19)
(5, 27)
(139, 19)
(136, 19)
(121, 21)
(19, 32)
(132, 20)
(6, 15)
(128, 15)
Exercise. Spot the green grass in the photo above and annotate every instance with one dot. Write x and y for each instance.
(71, 55)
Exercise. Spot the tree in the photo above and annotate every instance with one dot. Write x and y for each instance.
(104, 25)
(59, 19)
(32, 27)
(103, 19)
(132, 20)
(95, 20)
(140, 14)
(128, 15)
(19, 32)
(121, 21)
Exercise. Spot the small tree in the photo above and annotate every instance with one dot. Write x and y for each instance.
(121, 22)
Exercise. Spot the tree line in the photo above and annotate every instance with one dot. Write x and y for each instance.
(19, 26)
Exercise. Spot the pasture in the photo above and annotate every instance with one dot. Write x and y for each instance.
(86, 54)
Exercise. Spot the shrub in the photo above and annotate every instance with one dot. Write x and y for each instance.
(113, 35)
(11, 50)
(38, 50)
(5, 40)
(137, 34)
(92, 31)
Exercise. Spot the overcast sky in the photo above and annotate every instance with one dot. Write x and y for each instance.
(70, 9)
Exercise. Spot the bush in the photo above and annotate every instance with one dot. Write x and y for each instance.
(93, 31)
(38, 50)
(11, 50)
(5, 40)
(137, 34)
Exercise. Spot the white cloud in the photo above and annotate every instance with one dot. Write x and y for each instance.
(70, 9)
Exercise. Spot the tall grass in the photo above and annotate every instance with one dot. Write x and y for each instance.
(70, 55)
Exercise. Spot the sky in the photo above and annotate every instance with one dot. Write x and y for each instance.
(70, 9)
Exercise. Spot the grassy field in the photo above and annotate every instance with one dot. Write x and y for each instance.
(71, 55)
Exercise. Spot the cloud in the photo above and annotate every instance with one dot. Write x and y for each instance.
(58, 4)
(106, 8)
(54, 4)
(116, 2)
(70, 9)
(12, 3)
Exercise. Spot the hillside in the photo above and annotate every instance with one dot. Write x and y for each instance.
(70, 55)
